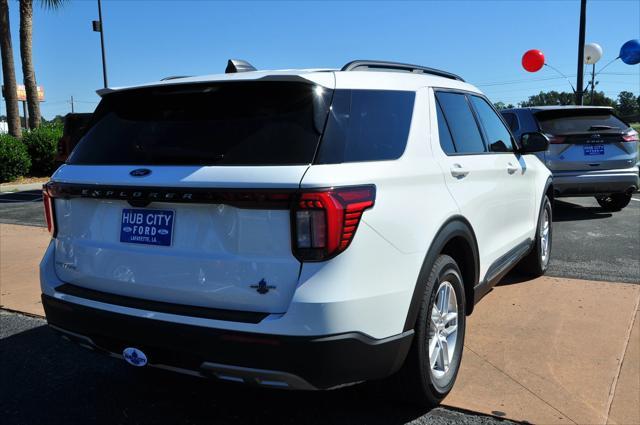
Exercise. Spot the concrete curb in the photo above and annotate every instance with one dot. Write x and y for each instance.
(6, 188)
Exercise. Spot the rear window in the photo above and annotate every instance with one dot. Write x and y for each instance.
(233, 123)
(578, 121)
(366, 125)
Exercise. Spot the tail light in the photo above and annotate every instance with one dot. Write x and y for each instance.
(631, 136)
(556, 140)
(326, 221)
(49, 212)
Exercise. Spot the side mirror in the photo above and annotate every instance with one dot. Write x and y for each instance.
(533, 142)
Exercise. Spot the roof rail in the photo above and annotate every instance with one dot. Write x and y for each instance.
(175, 77)
(375, 65)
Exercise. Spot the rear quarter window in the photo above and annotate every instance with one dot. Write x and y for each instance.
(366, 125)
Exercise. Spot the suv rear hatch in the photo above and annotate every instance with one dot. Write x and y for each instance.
(587, 139)
(181, 193)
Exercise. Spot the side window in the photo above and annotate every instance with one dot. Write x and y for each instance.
(511, 120)
(498, 136)
(463, 126)
(366, 125)
(446, 142)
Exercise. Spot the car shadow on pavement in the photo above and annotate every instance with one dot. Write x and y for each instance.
(567, 211)
(45, 379)
(513, 278)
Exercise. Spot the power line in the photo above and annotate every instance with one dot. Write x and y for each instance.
(527, 80)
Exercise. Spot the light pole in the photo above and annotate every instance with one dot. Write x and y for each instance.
(99, 27)
(580, 82)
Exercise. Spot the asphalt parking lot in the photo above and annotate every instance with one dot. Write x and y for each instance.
(48, 380)
(589, 243)
(22, 208)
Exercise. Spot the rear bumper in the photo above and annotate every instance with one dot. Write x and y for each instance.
(293, 362)
(576, 183)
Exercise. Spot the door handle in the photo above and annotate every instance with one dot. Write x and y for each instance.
(511, 168)
(458, 172)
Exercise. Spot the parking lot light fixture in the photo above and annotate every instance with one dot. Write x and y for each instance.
(99, 27)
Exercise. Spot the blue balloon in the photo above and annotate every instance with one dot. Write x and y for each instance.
(630, 52)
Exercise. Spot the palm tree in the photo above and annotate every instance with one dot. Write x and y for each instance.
(9, 72)
(29, 75)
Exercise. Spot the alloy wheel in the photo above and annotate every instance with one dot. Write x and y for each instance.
(443, 330)
(545, 232)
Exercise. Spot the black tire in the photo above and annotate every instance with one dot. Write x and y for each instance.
(534, 264)
(614, 202)
(416, 381)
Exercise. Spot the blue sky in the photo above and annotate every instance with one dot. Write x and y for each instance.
(481, 40)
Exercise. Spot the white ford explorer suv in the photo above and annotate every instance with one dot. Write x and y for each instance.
(301, 229)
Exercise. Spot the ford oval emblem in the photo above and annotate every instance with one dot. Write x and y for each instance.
(140, 172)
(134, 357)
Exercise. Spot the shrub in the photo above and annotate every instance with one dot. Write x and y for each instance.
(14, 158)
(42, 145)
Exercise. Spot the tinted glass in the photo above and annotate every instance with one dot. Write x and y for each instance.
(578, 120)
(511, 120)
(237, 123)
(443, 132)
(498, 136)
(366, 125)
(462, 123)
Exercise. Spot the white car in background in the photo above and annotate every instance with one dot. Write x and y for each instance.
(301, 229)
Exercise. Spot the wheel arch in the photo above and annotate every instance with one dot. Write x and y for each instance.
(548, 190)
(457, 239)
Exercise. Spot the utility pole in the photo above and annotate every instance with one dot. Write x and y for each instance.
(99, 27)
(593, 80)
(580, 82)
(72, 104)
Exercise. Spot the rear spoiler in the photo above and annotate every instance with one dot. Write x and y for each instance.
(178, 82)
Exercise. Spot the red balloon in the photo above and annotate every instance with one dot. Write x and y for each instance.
(533, 60)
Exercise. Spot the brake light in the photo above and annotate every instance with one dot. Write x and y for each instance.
(556, 140)
(49, 212)
(326, 221)
(631, 136)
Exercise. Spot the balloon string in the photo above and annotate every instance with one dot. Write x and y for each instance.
(566, 78)
(610, 62)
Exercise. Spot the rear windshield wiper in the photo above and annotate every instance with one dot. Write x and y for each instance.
(600, 127)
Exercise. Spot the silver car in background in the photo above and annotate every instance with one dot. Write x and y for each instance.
(592, 152)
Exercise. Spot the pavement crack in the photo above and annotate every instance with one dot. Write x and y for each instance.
(521, 385)
(614, 383)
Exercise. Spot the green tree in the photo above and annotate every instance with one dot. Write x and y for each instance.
(9, 72)
(500, 106)
(627, 104)
(599, 99)
(553, 97)
(26, 55)
(549, 98)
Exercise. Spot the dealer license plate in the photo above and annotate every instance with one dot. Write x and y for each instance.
(148, 227)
